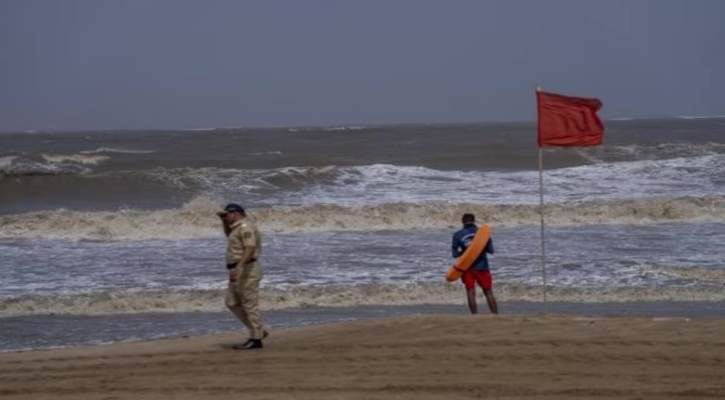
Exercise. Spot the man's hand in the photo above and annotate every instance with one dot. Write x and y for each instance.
(225, 224)
(233, 274)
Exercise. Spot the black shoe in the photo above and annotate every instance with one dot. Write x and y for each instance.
(249, 345)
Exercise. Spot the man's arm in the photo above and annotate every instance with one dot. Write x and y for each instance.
(246, 256)
(249, 239)
(227, 229)
(489, 246)
(456, 247)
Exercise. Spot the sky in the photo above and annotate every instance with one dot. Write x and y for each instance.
(139, 64)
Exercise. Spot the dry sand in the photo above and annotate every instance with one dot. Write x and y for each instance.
(419, 357)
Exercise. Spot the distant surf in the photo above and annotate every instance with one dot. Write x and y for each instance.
(196, 219)
(195, 300)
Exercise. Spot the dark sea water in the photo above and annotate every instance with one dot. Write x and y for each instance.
(114, 228)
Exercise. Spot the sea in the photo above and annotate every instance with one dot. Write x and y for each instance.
(111, 235)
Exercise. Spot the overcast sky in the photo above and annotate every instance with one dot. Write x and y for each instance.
(183, 64)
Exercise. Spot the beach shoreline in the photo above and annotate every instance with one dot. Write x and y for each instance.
(419, 356)
(39, 331)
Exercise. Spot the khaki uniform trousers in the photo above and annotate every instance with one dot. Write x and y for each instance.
(242, 299)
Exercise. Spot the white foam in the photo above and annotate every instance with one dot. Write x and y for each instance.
(331, 296)
(700, 116)
(197, 220)
(345, 128)
(6, 162)
(74, 158)
(668, 319)
(116, 150)
(624, 180)
(662, 151)
(51, 164)
(326, 129)
(384, 183)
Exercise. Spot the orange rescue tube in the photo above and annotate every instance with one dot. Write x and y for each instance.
(483, 234)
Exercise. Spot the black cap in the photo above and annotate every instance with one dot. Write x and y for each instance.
(232, 207)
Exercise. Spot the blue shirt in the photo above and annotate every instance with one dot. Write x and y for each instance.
(463, 238)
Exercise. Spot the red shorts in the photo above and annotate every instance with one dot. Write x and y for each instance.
(472, 276)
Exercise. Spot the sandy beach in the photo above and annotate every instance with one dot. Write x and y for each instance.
(416, 357)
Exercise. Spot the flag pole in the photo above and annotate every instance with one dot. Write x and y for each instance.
(541, 213)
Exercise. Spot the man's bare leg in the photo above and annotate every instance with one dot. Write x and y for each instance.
(472, 301)
(491, 301)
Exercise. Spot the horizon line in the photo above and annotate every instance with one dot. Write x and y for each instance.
(351, 125)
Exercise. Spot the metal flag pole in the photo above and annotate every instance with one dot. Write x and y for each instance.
(541, 213)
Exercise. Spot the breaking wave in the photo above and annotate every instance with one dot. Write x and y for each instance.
(117, 151)
(212, 177)
(623, 171)
(385, 183)
(712, 275)
(6, 162)
(210, 300)
(74, 158)
(700, 116)
(15, 166)
(196, 219)
(662, 151)
(330, 128)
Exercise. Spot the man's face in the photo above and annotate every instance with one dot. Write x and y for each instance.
(231, 217)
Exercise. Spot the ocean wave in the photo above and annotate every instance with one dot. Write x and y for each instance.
(210, 300)
(197, 220)
(696, 274)
(330, 128)
(691, 169)
(117, 151)
(249, 180)
(661, 151)
(690, 117)
(16, 166)
(386, 183)
(6, 162)
(74, 158)
(345, 128)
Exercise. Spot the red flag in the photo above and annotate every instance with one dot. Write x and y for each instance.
(568, 121)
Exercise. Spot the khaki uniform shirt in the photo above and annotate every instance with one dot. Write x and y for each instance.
(243, 234)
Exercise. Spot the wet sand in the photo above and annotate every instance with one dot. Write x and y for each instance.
(417, 357)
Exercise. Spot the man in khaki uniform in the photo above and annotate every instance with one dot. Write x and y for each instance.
(244, 247)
